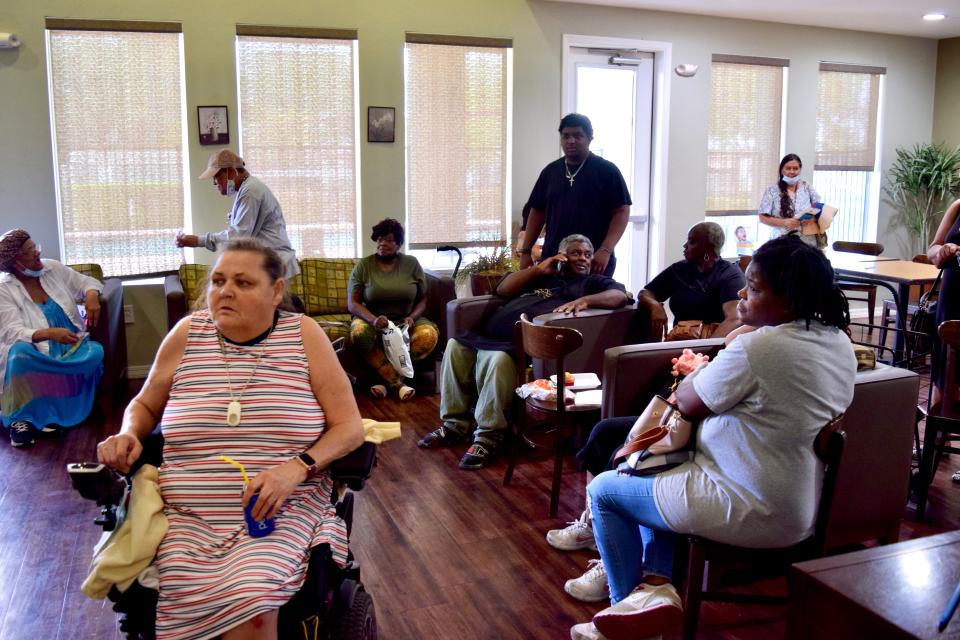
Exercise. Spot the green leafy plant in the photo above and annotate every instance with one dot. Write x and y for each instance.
(920, 185)
(489, 261)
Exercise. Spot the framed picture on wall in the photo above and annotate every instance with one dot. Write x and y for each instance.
(380, 124)
(214, 125)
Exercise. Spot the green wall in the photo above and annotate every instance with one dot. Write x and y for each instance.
(27, 195)
(946, 124)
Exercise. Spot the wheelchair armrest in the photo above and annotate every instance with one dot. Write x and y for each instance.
(355, 467)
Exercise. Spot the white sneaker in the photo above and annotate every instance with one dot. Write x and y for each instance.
(576, 535)
(585, 631)
(591, 586)
(649, 610)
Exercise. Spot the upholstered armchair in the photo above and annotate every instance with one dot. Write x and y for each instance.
(110, 332)
(601, 329)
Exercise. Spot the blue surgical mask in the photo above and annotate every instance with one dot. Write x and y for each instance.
(31, 273)
(231, 188)
(794, 180)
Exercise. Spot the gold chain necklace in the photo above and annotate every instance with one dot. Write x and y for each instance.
(234, 409)
(571, 176)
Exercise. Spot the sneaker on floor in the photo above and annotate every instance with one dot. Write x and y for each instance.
(576, 535)
(586, 631)
(476, 457)
(21, 434)
(648, 611)
(591, 586)
(442, 436)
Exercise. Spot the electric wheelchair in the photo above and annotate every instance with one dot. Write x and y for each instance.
(332, 604)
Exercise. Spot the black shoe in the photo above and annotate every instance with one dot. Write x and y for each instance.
(442, 436)
(21, 434)
(477, 457)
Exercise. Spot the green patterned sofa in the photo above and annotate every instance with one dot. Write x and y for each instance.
(322, 285)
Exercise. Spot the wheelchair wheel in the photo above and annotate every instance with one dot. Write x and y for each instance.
(359, 622)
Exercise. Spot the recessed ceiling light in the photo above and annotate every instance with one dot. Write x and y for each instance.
(932, 17)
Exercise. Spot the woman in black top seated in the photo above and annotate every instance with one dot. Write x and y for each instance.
(701, 287)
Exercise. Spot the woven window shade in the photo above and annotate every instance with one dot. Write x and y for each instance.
(847, 104)
(456, 143)
(298, 120)
(118, 132)
(743, 142)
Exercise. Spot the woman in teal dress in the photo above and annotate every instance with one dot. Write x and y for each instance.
(389, 286)
(50, 367)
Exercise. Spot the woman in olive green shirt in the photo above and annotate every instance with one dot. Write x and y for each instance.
(389, 286)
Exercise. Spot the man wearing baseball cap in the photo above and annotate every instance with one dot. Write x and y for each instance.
(255, 213)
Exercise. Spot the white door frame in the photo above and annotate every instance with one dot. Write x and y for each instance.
(659, 143)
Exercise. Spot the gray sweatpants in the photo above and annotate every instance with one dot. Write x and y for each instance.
(486, 377)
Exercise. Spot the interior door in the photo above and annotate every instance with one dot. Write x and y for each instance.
(615, 90)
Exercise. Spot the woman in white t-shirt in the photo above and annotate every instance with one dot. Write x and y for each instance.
(755, 480)
(781, 202)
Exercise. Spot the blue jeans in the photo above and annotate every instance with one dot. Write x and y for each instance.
(631, 535)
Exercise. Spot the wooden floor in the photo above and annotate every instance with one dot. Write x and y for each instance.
(445, 553)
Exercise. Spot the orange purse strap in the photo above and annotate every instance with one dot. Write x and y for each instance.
(642, 441)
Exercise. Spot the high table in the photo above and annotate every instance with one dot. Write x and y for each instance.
(893, 591)
(887, 273)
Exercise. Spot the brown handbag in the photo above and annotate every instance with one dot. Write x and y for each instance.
(692, 330)
(659, 433)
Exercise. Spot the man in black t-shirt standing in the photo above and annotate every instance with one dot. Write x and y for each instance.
(578, 193)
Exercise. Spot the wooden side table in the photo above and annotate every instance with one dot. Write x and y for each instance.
(894, 591)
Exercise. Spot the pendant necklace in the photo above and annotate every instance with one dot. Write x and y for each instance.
(571, 176)
(233, 409)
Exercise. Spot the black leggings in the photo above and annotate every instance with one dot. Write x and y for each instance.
(605, 439)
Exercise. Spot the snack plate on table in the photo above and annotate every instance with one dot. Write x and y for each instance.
(581, 381)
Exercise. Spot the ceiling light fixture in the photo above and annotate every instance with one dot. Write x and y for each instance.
(933, 17)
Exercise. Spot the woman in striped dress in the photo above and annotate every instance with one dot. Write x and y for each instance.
(264, 388)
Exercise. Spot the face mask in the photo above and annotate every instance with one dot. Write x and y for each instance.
(793, 180)
(31, 273)
(231, 188)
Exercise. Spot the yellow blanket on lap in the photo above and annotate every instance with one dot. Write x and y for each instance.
(131, 548)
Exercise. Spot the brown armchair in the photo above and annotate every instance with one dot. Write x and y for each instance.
(110, 332)
(601, 329)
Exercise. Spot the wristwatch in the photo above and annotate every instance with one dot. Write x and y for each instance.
(309, 464)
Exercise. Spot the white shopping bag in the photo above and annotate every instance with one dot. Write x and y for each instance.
(396, 344)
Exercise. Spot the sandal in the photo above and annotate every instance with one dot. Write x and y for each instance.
(378, 391)
(405, 392)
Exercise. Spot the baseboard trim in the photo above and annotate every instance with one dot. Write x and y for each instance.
(138, 372)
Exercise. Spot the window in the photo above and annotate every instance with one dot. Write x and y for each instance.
(743, 140)
(298, 130)
(848, 99)
(116, 93)
(457, 140)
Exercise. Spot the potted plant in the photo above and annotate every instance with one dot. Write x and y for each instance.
(920, 184)
(486, 269)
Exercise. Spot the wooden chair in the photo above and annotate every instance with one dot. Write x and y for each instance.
(943, 418)
(868, 249)
(552, 421)
(829, 446)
